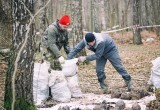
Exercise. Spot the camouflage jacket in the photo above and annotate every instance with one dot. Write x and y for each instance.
(56, 38)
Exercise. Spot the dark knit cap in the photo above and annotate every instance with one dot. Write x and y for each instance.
(89, 37)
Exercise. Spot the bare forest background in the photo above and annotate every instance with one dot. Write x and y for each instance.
(21, 20)
(97, 15)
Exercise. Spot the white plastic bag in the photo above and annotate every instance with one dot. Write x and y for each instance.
(155, 73)
(70, 70)
(73, 84)
(40, 82)
(59, 88)
(70, 67)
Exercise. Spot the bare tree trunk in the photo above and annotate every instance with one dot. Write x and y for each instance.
(156, 14)
(136, 22)
(5, 19)
(84, 15)
(91, 16)
(41, 22)
(18, 93)
(5, 42)
(96, 16)
(48, 13)
(117, 13)
(66, 4)
(106, 9)
(147, 12)
(128, 3)
(77, 32)
(103, 15)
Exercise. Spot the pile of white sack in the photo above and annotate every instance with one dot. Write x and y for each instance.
(155, 73)
(64, 84)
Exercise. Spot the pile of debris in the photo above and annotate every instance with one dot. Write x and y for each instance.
(102, 102)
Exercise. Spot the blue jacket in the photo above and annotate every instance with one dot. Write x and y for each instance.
(104, 44)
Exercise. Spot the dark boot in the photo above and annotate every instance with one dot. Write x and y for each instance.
(128, 84)
(103, 85)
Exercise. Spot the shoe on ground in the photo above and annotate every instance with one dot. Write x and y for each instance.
(129, 85)
(103, 85)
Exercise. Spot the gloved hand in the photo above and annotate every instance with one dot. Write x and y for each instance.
(61, 60)
(82, 58)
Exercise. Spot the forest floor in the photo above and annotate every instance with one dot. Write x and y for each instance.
(136, 59)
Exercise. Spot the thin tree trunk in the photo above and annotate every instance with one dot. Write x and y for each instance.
(5, 43)
(156, 14)
(84, 14)
(42, 22)
(77, 32)
(91, 16)
(96, 16)
(103, 15)
(5, 19)
(136, 30)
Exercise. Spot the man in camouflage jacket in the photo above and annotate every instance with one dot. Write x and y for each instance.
(55, 37)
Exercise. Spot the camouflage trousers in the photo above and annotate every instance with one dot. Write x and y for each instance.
(50, 57)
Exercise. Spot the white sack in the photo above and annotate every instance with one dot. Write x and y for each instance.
(40, 82)
(156, 63)
(73, 84)
(155, 73)
(59, 88)
(70, 67)
(70, 70)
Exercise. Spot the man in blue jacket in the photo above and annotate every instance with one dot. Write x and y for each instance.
(104, 49)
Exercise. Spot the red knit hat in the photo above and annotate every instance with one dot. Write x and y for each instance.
(64, 20)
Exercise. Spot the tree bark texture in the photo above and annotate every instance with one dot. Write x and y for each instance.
(41, 21)
(102, 15)
(5, 42)
(77, 20)
(136, 22)
(156, 13)
(77, 32)
(24, 74)
(5, 24)
(91, 16)
(96, 15)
